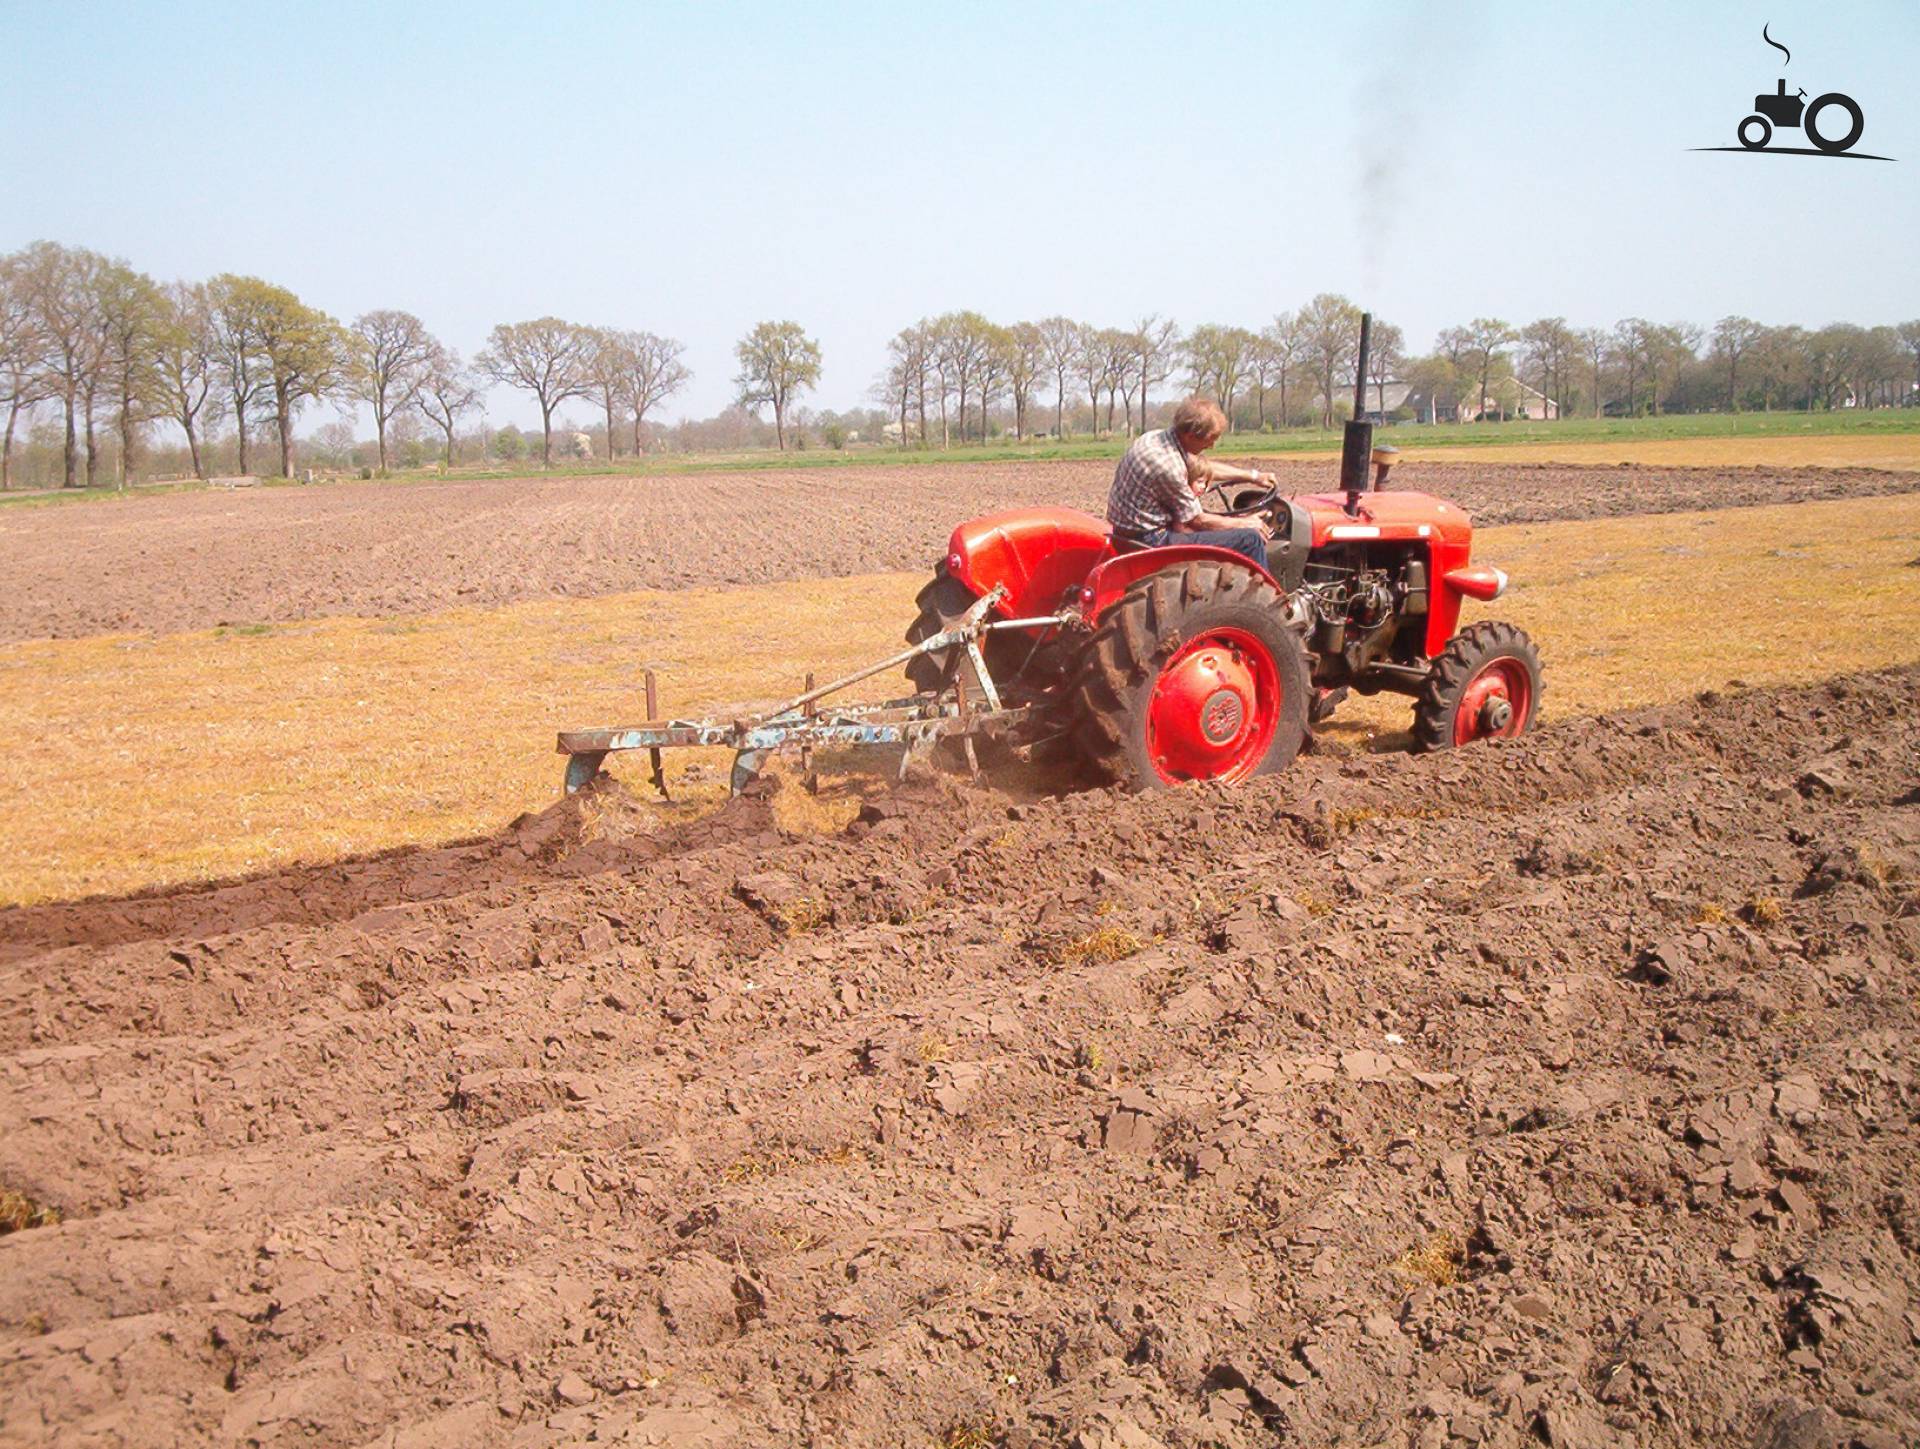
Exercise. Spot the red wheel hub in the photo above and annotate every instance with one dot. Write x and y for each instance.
(1496, 704)
(1214, 708)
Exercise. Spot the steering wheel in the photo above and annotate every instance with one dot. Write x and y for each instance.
(1250, 501)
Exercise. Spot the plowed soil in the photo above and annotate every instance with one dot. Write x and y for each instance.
(1560, 1090)
(194, 560)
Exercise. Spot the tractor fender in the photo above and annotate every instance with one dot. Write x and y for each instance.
(1038, 555)
(1106, 584)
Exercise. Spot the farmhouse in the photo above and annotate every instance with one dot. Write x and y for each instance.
(1507, 398)
(1512, 398)
(1384, 399)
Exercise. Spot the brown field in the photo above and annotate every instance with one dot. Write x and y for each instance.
(1896, 451)
(1560, 1091)
(229, 752)
(202, 559)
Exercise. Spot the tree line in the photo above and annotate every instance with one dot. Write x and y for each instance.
(112, 351)
(948, 371)
(109, 351)
(945, 374)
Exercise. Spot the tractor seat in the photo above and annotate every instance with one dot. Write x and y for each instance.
(1122, 544)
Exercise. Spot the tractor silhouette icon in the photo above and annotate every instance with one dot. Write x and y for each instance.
(1795, 112)
(1781, 109)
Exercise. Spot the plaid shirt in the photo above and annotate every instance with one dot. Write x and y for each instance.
(1150, 487)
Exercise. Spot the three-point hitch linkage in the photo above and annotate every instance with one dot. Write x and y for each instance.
(969, 708)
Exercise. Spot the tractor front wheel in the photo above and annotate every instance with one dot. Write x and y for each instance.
(1193, 675)
(1485, 685)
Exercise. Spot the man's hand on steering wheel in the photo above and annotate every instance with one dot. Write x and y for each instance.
(1267, 494)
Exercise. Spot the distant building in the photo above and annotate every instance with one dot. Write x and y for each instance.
(1512, 398)
(1384, 399)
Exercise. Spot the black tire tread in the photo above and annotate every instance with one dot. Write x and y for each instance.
(1466, 653)
(941, 597)
(1136, 633)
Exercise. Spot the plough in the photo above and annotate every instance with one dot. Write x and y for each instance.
(971, 707)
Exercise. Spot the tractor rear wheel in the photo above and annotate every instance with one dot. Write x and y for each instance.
(1193, 675)
(942, 599)
(941, 602)
(1484, 685)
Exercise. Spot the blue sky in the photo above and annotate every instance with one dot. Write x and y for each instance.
(692, 169)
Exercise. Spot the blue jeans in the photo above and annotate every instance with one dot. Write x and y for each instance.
(1246, 541)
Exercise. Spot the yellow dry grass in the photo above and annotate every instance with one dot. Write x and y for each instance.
(18, 1212)
(133, 761)
(136, 761)
(1436, 1262)
(1100, 947)
(1898, 451)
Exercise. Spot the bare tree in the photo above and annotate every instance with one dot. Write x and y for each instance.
(1909, 335)
(546, 357)
(961, 340)
(1217, 360)
(1676, 346)
(1091, 364)
(23, 379)
(1486, 336)
(1545, 347)
(130, 312)
(58, 284)
(894, 386)
(1028, 357)
(447, 392)
(1435, 376)
(1733, 337)
(606, 370)
(391, 352)
(652, 373)
(910, 355)
(1062, 339)
(187, 352)
(1330, 333)
(937, 363)
(778, 362)
(1284, 347)
(1881, 368)
(241, 366)
(995, 344)
(302, 350)
(1633, 342)
(1156, 342)
(1118, 370)
(1386, 351)
(1452, 346)
(1777, 365)
(1595, 346)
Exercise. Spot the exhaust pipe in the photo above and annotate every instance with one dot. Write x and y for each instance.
(1356, 447)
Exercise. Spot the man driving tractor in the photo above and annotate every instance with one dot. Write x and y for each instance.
(1155, 500)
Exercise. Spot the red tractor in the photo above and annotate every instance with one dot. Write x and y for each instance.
(1162, 665)
(1191, 663)
(1197, 665)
